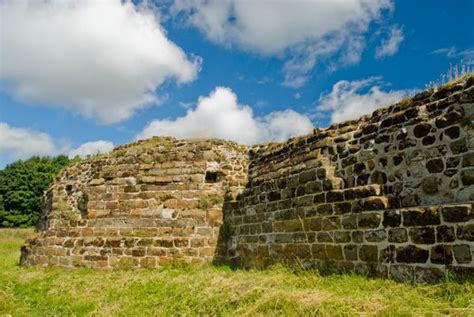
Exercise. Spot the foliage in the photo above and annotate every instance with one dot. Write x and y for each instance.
(213, 291)
(21, 186)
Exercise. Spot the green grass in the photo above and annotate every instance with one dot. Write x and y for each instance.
(212, 291)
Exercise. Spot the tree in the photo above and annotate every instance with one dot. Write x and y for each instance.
(21, 185)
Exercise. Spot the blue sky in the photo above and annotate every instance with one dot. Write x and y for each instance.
(78, 77)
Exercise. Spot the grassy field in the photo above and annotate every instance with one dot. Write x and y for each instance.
(215, 291)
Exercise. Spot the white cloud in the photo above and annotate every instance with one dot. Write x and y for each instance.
(467, 56)
(348, 100)
(448, 51)
(391, 45)
(21, 143)
(306, 31)
(102, 59)
(219, 115)
(92, 148)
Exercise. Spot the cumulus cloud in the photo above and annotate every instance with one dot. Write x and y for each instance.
(306, 31)
(103, 59)
(348, 100)
(220, 115)
(390, 45)
(92, 148)
(20, 143)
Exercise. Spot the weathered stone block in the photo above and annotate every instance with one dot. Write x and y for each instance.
(465, 232)
(342, 207)
(369, 220)
(324, 237)
(334, 252)
(342, 236)
(445, 234)
(462, 253)
(453, 132)
(357, 236)
(275, 195)
(319, 251)
(336, 195)
(349, 222)
(459, 146)
(422, 235)
(428, 274)
(435, 165)
(458, 213)
(441, 254)
(422, 130)
(411, 254)
(324, 209)
(401, 273)
(468, 159)
(421, 217)
(398, 235)
(375, 235)
(330, 223)
(430, 185)
(307, 176)
(467, 177)
(376, 203)
(368, 253)
(350, 252)
(392, 218)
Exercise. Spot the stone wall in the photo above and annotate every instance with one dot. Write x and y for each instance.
(144, 205)
(388, 195)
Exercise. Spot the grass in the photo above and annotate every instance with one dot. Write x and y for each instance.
(212, 291)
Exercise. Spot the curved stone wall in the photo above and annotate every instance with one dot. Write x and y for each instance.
(144, 205)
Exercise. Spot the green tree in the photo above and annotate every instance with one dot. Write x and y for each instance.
(21, 185)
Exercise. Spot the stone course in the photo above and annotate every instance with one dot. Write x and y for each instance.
(390, 194)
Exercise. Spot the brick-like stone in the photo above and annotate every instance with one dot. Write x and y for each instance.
(430, 185)
(376, 203)
(435, 165)
(445, 234)
(392, 218)
(375, 235)
(465, 232)
(457, 213)
(398, 235)
(368, 253)
(442, 254)
(411, 254)
(334, 252)
(422, 235)
(350, 252)
(421, 217)
(369, 220)
(462, 253)
(349, 222)
(467, 177)
(468, 159)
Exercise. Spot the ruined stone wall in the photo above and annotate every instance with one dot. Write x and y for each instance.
(390, 194)
(144, 205)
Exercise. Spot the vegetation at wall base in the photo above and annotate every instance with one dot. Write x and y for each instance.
(212, 291)
(21, 185)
